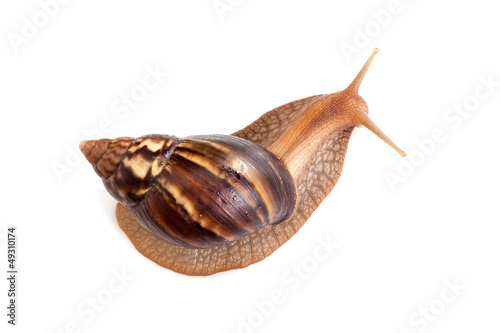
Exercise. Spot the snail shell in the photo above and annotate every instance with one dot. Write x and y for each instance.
(206, 204)
(198, 192)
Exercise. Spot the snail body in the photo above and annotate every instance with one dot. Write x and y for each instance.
(204, 204)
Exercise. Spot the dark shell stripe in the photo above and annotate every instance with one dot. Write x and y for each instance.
(264, 171)
(159, 215)
(133, 177)
(175, 220)
(125, 187)
(213, 202)
(233, 193)
(250, 160)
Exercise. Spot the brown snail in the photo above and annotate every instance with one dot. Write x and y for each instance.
(204, 204)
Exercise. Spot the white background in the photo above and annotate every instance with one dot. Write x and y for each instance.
(398, 246)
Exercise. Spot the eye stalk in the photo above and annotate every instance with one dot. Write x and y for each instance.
(362, 117)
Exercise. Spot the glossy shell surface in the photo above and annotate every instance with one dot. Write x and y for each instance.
(199, 191)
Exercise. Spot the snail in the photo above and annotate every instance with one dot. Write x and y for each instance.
(210, 203)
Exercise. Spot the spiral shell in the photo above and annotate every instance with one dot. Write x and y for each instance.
(199, 191)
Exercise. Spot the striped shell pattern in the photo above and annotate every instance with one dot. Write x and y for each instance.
(198, 191)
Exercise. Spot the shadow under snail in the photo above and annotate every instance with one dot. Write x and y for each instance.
(210, 203)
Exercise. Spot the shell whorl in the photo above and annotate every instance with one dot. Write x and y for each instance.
(105, 154)
(198, 192)
(129, 167)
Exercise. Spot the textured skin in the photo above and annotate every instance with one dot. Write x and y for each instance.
(314, 182)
